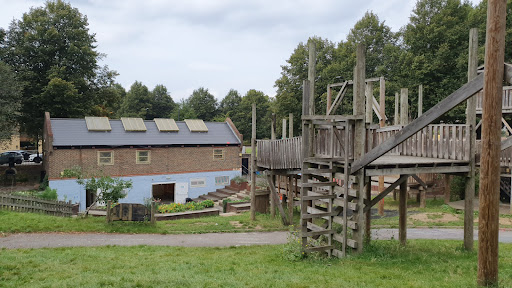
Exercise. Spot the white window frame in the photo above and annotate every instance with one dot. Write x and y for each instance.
(222, 154)
(137, 157)
(197, 183)
(103, 157)
(221, 180)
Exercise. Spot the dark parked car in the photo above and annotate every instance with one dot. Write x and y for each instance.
(25, 154)
(16, 156)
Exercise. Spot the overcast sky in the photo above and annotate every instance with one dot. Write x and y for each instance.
(216, 44)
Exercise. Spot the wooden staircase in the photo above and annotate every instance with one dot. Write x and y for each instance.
(218, 195)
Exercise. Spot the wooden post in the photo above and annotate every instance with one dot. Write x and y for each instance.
(368, 216)
(423, 200)
(397, 110)
(329, 99)
(273, 127)
(109, 212)
(404, 106)
(402, 211)
(290, 125)
(447, 185)
(359, 141)
(382, 111)
(305, 153)
(253, 164)
(153, 212)
(471, 121)
(369, 102)
(491, 144)
(420, 100)
(290, 200)
(312, 74)
(284, 128)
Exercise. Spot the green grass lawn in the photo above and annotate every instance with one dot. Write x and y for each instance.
(13, 222)
(423, 263)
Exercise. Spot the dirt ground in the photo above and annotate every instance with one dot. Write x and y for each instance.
(434, 217)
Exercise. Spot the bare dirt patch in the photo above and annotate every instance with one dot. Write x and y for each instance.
(434, 217)
(505, 221)
(258, 227)
(236, 224)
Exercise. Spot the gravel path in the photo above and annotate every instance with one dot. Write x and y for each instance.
(52, 240)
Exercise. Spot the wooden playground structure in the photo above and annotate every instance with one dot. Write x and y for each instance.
(337, 155)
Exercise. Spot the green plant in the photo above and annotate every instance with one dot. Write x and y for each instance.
(44, 184)
(458, 187)
(48, 194)
(239, 180)
(292, 250)
(190, 206)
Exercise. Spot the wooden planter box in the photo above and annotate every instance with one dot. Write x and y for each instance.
(239, 187)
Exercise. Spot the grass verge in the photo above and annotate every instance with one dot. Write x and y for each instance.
(423, 263)
(13, 222)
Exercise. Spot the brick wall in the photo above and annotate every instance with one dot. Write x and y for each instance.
(163, 161)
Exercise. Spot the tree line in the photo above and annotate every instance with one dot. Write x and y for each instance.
(49, 62)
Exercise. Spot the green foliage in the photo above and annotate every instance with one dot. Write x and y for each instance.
(52, 51)
(162, 103)
(48, 194)
(242, 116)
(73, 172)
(229, 105)
(44, 184)
(10, 101)
(292, 250)
(239, 179)
(137, 102)
(108, 188)
(203, 103)
(458, 187)
(190, 206)
(183, 111)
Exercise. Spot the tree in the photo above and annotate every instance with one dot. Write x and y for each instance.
(51, 42)
(183, 111)
(137, 103)
(242, 118)
(58, 98)
(203, 103)
(10, 97)
(162, 104)
(229, 105)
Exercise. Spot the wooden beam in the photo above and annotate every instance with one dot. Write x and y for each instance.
(273, 127)
(506, 143)
(488, 225)
(428, 117)
(471, 120)
(290, 125)
(369, 102)
(402, 211)
(276, 199)
(404, 106)
(284, 128)
(382, 122)
(386, 192)
(416, 170)
(509, 129)
(312, 74)
(329, 99)
(339, 98)
(305, 154)
(396, 121)
(253, 164)
(420, 100)
(420, 181)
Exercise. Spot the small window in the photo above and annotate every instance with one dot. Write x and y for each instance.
(218, 154)
(105, 158)
(221, 180)
(143, 157)
(198, 182)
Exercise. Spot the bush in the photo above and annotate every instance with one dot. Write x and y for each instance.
(190, 206)
(239, 179)
(458, 187)
(48, 194)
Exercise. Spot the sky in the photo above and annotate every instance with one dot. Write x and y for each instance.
(215, 44)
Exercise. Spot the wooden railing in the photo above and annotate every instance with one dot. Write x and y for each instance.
(506, 100)
(280, 154)
(328, 146)
(505, 155)
(37, 205)
(441, 141)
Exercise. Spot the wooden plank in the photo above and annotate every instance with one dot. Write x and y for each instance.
(386, 191)
(339, 98)
(341, 202)
(402, 211)
(418, 170)
(276, 199)
(350, 242)
(435, 112)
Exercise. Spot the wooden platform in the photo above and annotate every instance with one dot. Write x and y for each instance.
(398, 164)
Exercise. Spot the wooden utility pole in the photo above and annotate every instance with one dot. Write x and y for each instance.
(284, 128)
(471, 121)
(397, 109)
(382, 111)
(312, 74)
(402, 213)
(290, 125)
(305, 153)
(253, 164)
(404, 106)
(488, 224)
(420, 100)
(368, 187)
(359, 141)
(273, 177)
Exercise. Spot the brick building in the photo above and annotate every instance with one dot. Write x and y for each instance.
(164, 159)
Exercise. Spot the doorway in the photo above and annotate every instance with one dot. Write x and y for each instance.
(164, 192)
(90, 197)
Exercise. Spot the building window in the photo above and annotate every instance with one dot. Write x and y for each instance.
(143, 157)
(221, 180)
(105, 158)
(198, 182)
(218, 154)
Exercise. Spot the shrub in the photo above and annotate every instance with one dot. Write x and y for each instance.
(190, 206)
(48, 194)
(239, 179)
(458, 187)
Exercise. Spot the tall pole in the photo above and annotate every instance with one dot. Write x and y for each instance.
(290, 125)
(273, 127)
(312, 74)
(404, 106)
(382, 111)
(397, 109)
(420, 100)
(471, 121)
(253, 164)
(369, 102)
(284, 128)
(488, 224)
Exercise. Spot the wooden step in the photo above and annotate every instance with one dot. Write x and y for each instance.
(317, 230)
(350, 224)
(227, 190)
(341, 191)
(219, 195)
(209, 197)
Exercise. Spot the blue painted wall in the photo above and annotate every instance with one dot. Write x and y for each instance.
(68, 189)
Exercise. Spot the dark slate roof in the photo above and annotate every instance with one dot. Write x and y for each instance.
(73, 132)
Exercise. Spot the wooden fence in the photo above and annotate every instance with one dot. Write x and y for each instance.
(506, 100)
(280, 154)
(441, 141)
(32, 204)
